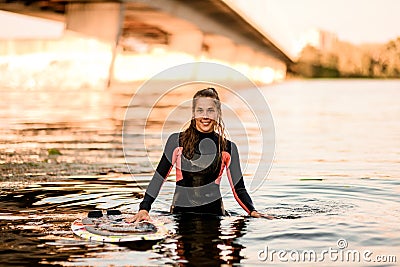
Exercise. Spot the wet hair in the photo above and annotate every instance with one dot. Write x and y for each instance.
(190, 137)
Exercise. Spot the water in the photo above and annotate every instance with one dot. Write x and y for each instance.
(334, 180)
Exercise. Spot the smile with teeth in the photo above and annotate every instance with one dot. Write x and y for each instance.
(205, 122)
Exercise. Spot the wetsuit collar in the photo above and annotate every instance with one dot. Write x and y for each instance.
(205, 135)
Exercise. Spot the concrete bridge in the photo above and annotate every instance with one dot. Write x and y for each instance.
(215, 28)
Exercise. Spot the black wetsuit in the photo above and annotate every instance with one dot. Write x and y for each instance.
(198, 179)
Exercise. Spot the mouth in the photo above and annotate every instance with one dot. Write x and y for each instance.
(205, 122)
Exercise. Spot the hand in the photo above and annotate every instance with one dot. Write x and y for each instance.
(266, 216)
(142, 215)
(256, 214)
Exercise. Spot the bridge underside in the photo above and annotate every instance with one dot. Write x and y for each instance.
(197, 27)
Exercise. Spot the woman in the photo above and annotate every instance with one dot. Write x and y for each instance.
(200, 154)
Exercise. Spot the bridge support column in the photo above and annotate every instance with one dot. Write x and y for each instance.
(220, 47)
(188, 41)
(102, 20)
(244, 55)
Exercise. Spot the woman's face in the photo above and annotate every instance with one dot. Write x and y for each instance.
(206, 114)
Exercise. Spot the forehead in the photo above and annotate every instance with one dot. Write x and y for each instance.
(205, 102)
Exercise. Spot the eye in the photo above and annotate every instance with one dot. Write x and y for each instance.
(199, 110)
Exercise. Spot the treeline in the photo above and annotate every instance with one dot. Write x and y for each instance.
(345, 60)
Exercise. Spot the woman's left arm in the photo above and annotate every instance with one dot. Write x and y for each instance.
(237, 183)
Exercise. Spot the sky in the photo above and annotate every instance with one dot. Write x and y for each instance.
(355, 21)
(19, 26)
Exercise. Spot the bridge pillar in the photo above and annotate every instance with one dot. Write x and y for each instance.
(244, 54)
(102, 20)
(220, 47)
(188, 41)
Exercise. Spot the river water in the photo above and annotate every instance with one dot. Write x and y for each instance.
(333, 186)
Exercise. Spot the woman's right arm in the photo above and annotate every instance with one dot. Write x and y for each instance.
(164, 167)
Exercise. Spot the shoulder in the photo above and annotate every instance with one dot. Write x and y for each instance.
(230, 146)
(174, 135)
(173, 141)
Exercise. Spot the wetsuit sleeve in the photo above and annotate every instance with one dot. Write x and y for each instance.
(161, 173)
(236, 181)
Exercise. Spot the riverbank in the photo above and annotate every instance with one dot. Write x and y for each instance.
(21, 174)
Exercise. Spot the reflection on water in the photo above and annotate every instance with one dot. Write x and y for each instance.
(335, 176)
(38, 218)
(83, 125)
(209, 240)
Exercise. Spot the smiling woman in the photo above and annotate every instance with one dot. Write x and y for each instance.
(200, 153)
